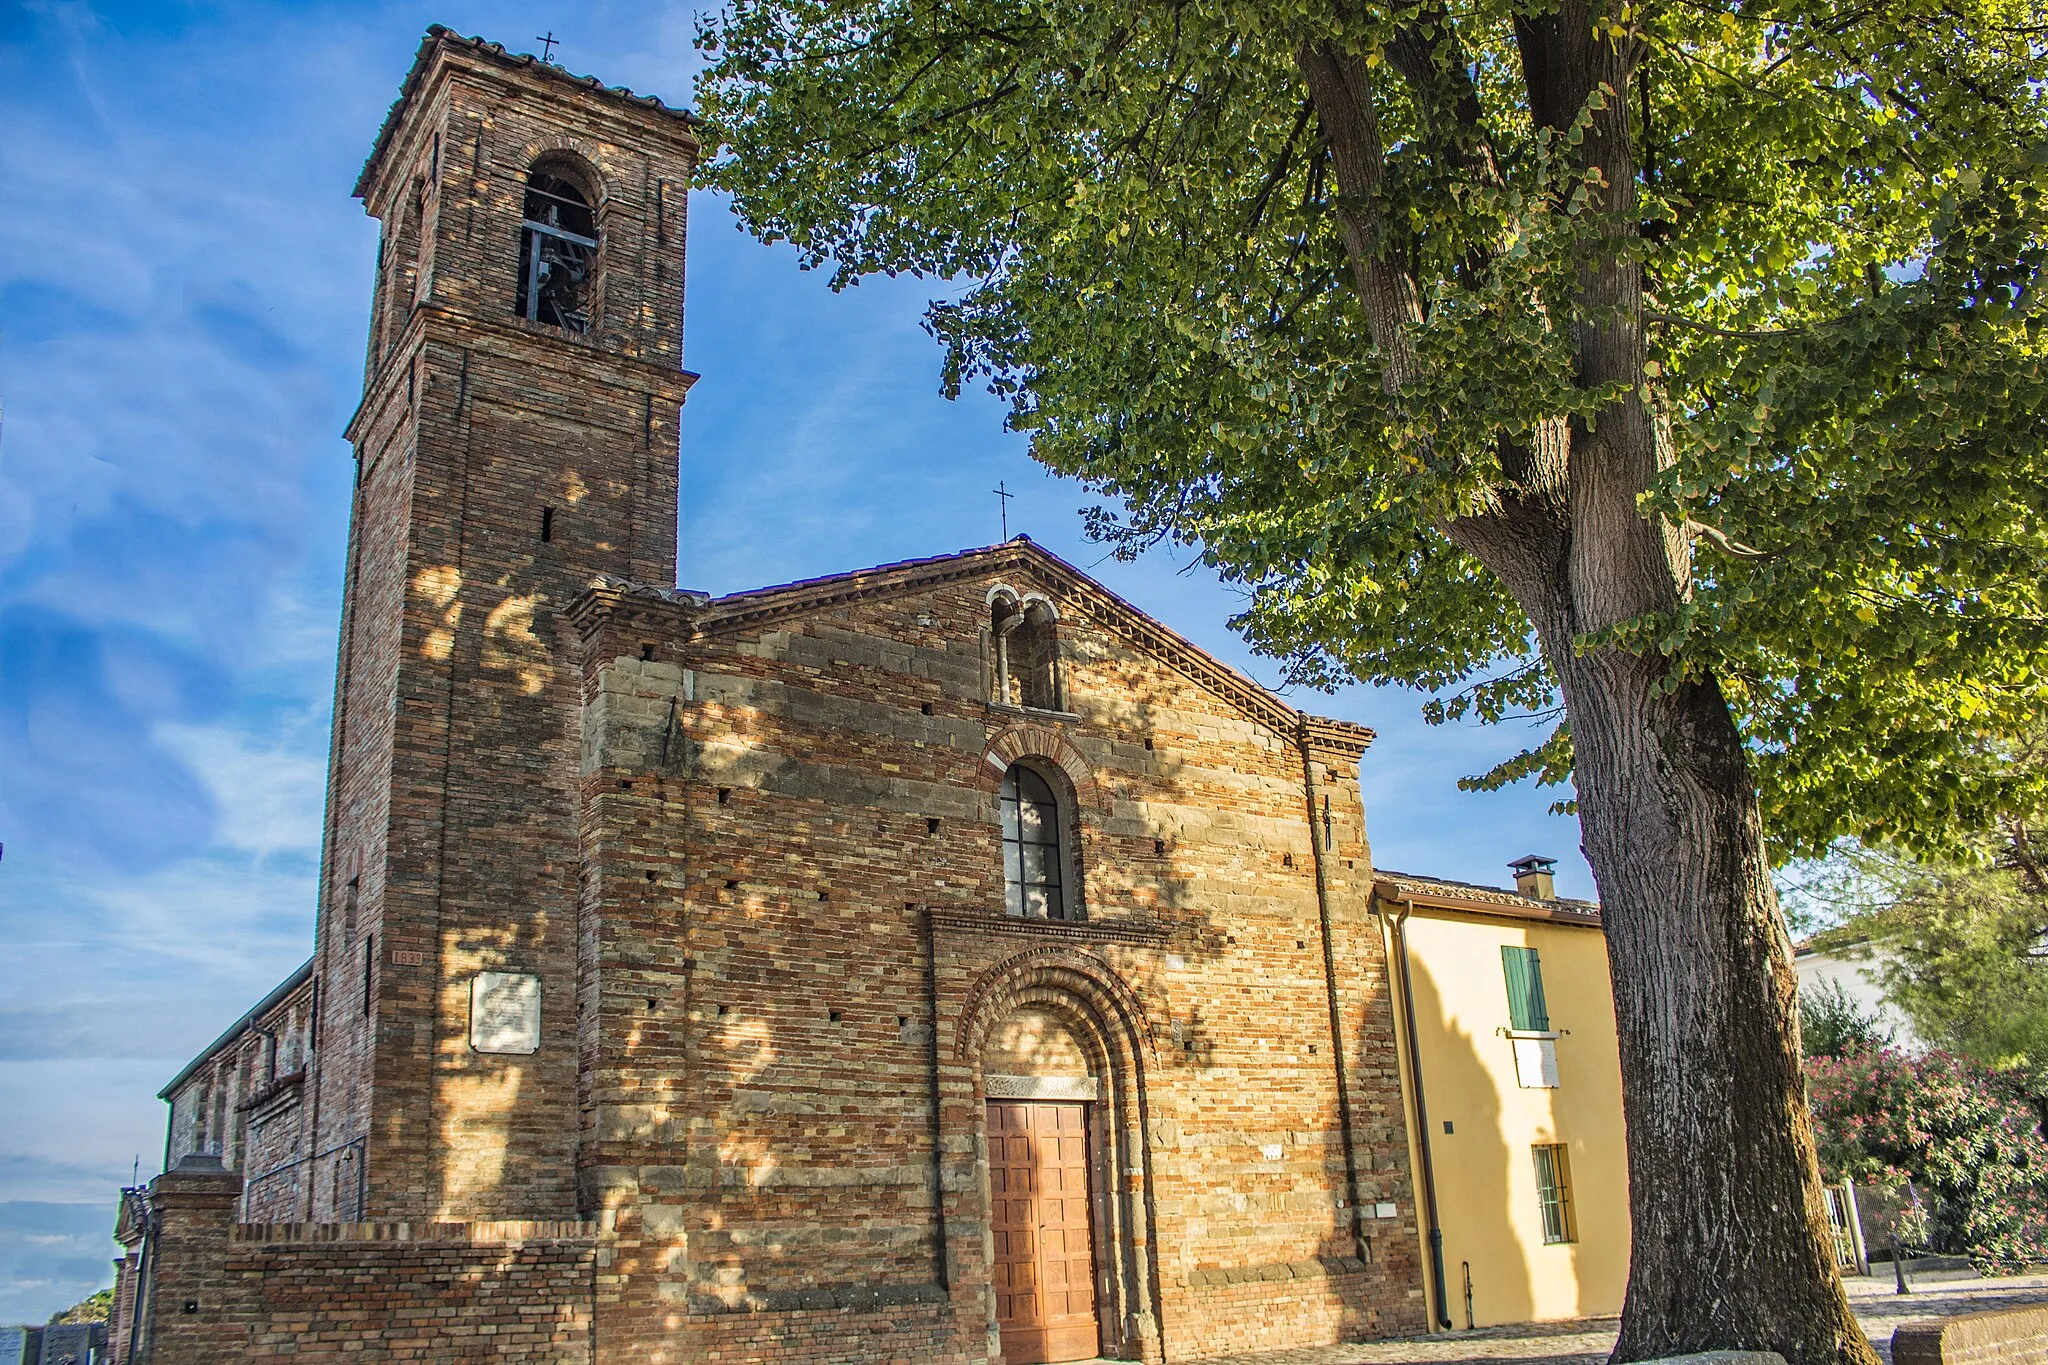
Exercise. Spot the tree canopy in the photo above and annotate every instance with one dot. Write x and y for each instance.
(1672, 368)
(1140, 241)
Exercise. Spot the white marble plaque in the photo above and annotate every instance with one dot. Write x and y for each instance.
(1536, 1063)
(1039, 1087)
(504, 1012)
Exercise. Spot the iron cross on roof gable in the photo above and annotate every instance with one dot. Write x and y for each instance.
(1003, 496)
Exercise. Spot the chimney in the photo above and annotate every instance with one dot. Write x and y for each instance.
(1533, 876)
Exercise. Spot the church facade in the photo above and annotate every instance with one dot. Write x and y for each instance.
(942, 961)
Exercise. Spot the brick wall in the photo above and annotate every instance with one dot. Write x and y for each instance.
(793, 875)
(451, 840)
(242, 1099)
(516, 1292)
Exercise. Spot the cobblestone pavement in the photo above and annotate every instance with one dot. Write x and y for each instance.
(1586, 1341)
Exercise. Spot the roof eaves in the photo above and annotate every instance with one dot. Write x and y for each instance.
(757, 605)
(1470, 897)
(240, 1026)
(440, 34)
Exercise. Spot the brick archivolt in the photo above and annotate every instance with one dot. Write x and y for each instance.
(584, 158)
(1079, 986)
(1048, 745)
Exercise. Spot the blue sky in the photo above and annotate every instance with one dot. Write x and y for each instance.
(184, 292)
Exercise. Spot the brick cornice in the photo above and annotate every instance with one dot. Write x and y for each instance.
(465, 330)
(447, 47)
(765, 606)
(1077, 931)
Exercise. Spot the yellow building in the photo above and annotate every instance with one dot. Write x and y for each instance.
(1513, 1082)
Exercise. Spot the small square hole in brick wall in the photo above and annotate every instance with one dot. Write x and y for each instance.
(624, 785)
(652, 874)
(721, 1011)
(910, 907)
(1301, 943)
(732, 884)
(834, 1016)
(725, 796)
(1159, 848)
(647, 651)
(650, 1004)
(1287, 860)
(1148, 745)
(926, 708)
(902, 1021)
(824, 895)
(931, 825)
(1311, 1049)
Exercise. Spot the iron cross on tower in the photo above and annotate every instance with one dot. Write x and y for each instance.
(1003, 496)
(547, 43)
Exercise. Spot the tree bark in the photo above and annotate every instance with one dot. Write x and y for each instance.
(1731, 1246)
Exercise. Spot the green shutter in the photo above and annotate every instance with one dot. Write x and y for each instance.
(1526, 1010)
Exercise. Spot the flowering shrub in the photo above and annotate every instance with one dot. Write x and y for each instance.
(1963, 1135)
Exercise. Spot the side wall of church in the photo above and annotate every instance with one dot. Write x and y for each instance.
(794, 941)
(244, 1101)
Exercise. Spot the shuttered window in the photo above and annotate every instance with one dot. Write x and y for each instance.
(1526, 1011)
(1554, 1193)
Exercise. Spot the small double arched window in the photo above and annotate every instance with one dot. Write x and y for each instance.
(1035, 881)
(1027, 664)
(557, 253)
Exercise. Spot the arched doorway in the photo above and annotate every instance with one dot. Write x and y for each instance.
(1047, 1179)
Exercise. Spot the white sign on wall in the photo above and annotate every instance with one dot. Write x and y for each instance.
(504, 1012)
(1536, 1063)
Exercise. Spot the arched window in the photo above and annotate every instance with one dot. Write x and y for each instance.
(1034, 864)
(1027, 652)
(557, 254)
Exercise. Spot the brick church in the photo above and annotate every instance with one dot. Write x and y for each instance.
(942, 961)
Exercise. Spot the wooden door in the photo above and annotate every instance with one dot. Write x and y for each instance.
(1045, 1250)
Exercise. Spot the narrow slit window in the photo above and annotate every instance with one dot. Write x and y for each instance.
(547, 523)
(557, 254)
(369, 971)
(1554, 1192)
(1032, 862)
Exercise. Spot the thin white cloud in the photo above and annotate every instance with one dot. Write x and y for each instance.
(269, 790)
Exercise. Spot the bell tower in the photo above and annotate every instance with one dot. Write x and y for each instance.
(517, 439)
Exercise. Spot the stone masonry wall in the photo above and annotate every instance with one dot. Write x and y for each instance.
(793, 943)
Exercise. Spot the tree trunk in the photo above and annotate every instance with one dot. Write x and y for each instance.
(1731, 1241)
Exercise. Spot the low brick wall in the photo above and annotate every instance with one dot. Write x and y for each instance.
(1227, 1312)
(2010, 1336)
(515, 1293)
(436, 1292)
